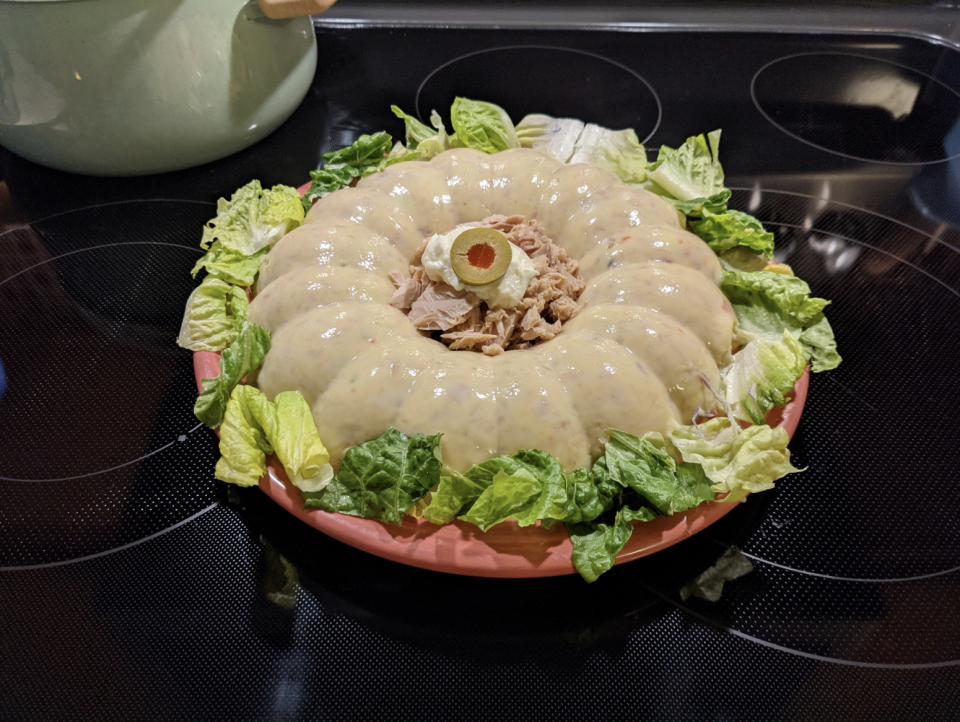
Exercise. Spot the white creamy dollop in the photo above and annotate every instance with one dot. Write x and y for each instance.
(505, 292)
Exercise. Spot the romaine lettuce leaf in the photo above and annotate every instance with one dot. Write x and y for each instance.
(557, 137)
(645, 466)
(454, 493)
(381, 479)
(249, 423)
(365, 150)
(297, 443)
(761, 373)
(482, 126)
(237, 360)
(585, 502)
(820, 345)
(767, 304)
(507, 495)
(253, 427)
(618, 151)
(596, 544)
(693, 170)
(571, 141)
(697, 207)
(327, 180)
(737, 461)
(416, 132)
(723, 231)
(212, 318)
(230, 266)
(253, 218)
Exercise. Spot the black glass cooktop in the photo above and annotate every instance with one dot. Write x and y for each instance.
(135, 586)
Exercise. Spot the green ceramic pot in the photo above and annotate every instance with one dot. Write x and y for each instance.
(130, 87)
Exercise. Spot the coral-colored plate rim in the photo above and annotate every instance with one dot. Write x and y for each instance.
(504, 551)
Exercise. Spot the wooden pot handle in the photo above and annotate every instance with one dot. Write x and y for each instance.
(279, 9)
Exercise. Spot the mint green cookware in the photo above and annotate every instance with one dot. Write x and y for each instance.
(130, 87)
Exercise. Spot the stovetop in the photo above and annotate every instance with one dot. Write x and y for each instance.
(135, 586)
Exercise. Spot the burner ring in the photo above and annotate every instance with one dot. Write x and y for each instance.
(592, 80)
(908, 112)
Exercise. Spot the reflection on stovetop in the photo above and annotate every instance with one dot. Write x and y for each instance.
(135, 586)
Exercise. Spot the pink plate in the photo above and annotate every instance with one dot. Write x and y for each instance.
(504, 551)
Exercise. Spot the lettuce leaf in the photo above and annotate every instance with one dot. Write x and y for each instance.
(596, 544)
(482, 126)
(767, 304)
(297, 443)
(237, 360)
(364, 151)
(557, 137)
(507, 495)
(737, 461)
(249, 423)
(820, 345)
(230, 266)
(212, 318)
(644, 466)
(723, 231)
(618, 151)
(381, 479)
(454, 492)
(693, 170)
(761, 373)
(253, 218)
(585, 501)
(697, 207)
(324, 181)
(253, 427)
(572, 141)
(416, 132)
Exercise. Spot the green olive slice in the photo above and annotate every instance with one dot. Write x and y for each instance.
(480, 256)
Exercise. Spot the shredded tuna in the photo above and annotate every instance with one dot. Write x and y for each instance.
(549, 302)
(441, 307)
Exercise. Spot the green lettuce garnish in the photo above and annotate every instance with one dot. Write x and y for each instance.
(643, 465)
(253, 427)
(618, 151)
(248, 424)
(557, 137)
(482, 126)
(761, 374)
(737, 461)
(365, 151)
(691, 171)
(237, 360)
(253, 218)
(416, 132)
(596, 545)
(230, 266)
(297, 443)
(699, 207)
(383, 478)
(213, 315)
(366, 155)
(726, 230)
(767, 304)
(427, 141)
(572, 141)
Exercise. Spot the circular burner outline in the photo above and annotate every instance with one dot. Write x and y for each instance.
(796, 652)
(75, 560)
(597, 56)
(83, 250)
(756, 104)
